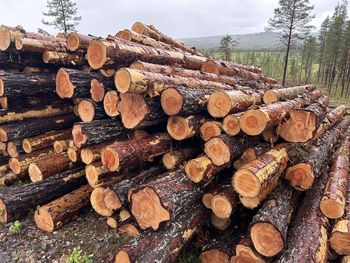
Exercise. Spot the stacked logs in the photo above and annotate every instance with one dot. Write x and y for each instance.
(168, 144)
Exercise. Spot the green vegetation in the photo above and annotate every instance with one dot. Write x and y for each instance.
(15, 228)
(78, 256)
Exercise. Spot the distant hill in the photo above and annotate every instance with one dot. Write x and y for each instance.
(257, 41)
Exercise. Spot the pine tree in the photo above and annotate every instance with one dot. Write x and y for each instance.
(227, 43)
(62, 14)
(322, 45)
(291, 20)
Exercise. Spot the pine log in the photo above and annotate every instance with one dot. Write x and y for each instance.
(20, 164)
(255, 177)
(268, 229)
(306, 162)
(62, 210)
(77, 41)
(74, 154)
(121, 155)
(50, 166)
(92, 153)
(96, 132)
(24, 84)
(274, 95)
(110, 103)
(98, 89)
(210, 129)
(14, 148)
(334, 198)
(9, 178)
(246, 253)
(97, 175)
(165, 245)
(88, 110)
(14, 60)
(40, 45)
(130, 229)
(345, 259)
(185, 101)
(307, 237)
(163, 199)
(62, 146)
(220, 224)
(28, 102)
(181, 128)
(174, 158)
(136, 111)
(64, 59)
(329, 121)
(222, 103)
(34, 127)
(224, 203)
(255, 121)
(300, 125)
(152, 32)
(251, 154)
(17, 201)
(230, 124)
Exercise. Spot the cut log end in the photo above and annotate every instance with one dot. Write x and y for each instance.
(97, 90)
(178, 128)
(300, 176)
(196, 168)
(78, 137)
(246, 183)
(86, 111)
(129, 229)
(110, 159)
(26, 145)
(270, 96)
(171, 101)
(250, 202)
(219, 104)
(122, 80)
(96, 54)
(206, 200)
(73, 42)
(331, 208)
(19, 43)
(110, 103)
(220, 223)
(340, 242)
(2, 87)
(138, 27)
(64, 87)
(147, 209)
(169, 161)
(98, 204)
(43, 220)
(35, 173)
(125, 34)
(253, 122)
(111, 199)
(111, 222)
(217, 151)
(209, 129)
(137, 65)
(231, 125)
(266, 239)
(3, 135)
(214, 256)
(5, 38)
(122, 257)
(87, 156)
(91, 174)
(12, 149)
(221, 206)
(72, 154)
(245, 254)
(3, 212)
(210, 67)
(15, 166)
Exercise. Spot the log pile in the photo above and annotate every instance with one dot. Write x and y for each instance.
(168, 144)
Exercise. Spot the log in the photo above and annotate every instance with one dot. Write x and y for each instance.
(245, 252)
(220, 224)
(110, 103)
(20, 84)
(174, 158)
(136, 111)
(35, 127)
(98, 89)
(17, 201)
(14, 148)
(64, 59)
(181, 128)
(225, 202)
(210, 129)
(309, 227)
(222, 103)
(45, 140)
(220, 66)
(59, 212)
(125, 154)
(28, 102)
(20, 164)
(255, 177)
(93, 153)
(274, 95)
(96, 132)
(333, 200)
(251, 154)
(255, 121)
(345, 259)
(9, 178)
(300, 125)
(268, 229)
(40, 45)
(152, 32)
(230, 124)
(306, 162)
(62, 146)
(163, 199)
(88, 110)
(50, 166)
(97, 175)
(146, 247)
(77, 41)
(184, 101)
(74, 154)
(18, 61)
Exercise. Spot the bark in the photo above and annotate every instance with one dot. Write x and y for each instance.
(24, 44)
(174, 158)
(14, 60)
(45, 140)
(181, 128)
(26, 84)
(27, 102)
(275, 95)
(14, 148)
(17, 201)
(125, 154)
(9, 178)
(88, 110)
(34, 127)
(62, 210)
(64, 59)
(164, 245)
(251, 154)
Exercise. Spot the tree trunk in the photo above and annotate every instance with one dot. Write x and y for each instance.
(97, 175)
(92, 153)
(165, 245)
(40, 45)
(73, 60)
(77, 41)
(123, 155)
(88, 110)
(163, 199)
(62, 210)
(98, 89)
(224, 202)
(210, 129)
(32, 128)
(245, 252)
(110, 103)
(230, 124)
(274, 95)
(62, 146)
(251, 154)
(181, 128)
(14, 148)
(17, 201)
(27, 102)
(174, 158)
(13, 60)
(185, 101)
(26, 84)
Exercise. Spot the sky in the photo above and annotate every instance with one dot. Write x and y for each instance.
(177, 18)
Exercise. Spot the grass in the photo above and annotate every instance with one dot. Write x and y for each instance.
(15, 228)
(78, 256)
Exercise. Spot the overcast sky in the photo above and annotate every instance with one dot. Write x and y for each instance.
(177, 18)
